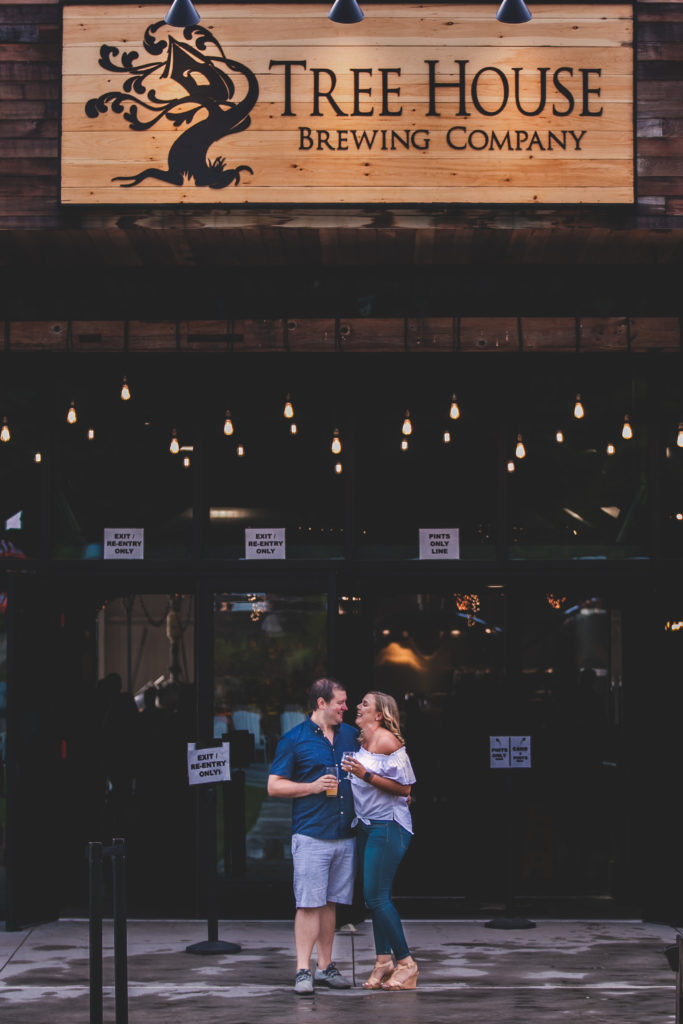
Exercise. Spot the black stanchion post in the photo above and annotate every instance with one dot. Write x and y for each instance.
(235, 837)
(213, 943)
(95, 928)
(120, 931)
(679, 978)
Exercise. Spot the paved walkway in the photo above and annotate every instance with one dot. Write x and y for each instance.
(595, 972)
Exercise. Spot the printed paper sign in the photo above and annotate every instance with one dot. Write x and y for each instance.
(510, 751)
(124, 542)
(440, 544)
(499, 751)
(208, 764)
(520, 751)
(263, 543)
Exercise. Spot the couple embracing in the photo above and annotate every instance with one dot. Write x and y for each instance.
(326, 806)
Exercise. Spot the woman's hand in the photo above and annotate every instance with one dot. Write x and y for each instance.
(353, 767)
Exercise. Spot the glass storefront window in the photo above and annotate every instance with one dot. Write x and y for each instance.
(580, 488)
(441, 475)
(113, 467)
(265, 475)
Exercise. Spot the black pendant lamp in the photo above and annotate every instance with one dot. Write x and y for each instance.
(513, 12)
(182, 14)
(346, 12)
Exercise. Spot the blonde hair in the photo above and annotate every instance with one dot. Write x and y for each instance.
(388, 709)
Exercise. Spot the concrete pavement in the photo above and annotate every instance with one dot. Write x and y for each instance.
(603, 972)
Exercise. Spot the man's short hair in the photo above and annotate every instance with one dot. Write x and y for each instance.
(322, 688)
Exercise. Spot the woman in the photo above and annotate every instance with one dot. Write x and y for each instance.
(382, 776)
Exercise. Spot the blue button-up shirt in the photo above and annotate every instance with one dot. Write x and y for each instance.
(301, 756)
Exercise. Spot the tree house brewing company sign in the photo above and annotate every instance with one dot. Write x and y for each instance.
(273, 103)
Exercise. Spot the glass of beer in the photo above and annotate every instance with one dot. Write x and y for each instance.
(332, 769)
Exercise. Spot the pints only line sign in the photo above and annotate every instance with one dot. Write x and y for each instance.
(273, 103)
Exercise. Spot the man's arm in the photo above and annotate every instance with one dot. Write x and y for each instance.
(278, 785)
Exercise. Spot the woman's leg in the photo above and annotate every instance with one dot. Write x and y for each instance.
(385, 845)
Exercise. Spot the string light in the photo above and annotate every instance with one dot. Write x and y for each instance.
(511, 466)
(407, 427)
(186, 461)
(4, 431)
(72, 415)
(679, 436)
(174, 446)
(446, 437)
(228, 428)
(293, 429)
(404, 445)
(91, 434)
(579, 411)
(38, 457)
(288, 411)
(610, 449)
(336, 445)
(455, 409)
(338, 468)
(125, 391)
(240, 450)
(627, 429)
(559, 437)
(520, 450)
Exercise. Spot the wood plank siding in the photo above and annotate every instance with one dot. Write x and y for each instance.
(374, 334)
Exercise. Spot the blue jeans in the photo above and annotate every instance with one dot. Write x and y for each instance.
(381, 848)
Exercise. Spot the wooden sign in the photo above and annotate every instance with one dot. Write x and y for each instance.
(274, 103)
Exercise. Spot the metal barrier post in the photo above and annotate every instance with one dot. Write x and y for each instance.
(120, 935)
(95, 893)
(679, 943)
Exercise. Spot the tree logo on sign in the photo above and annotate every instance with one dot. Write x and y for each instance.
(217, 97)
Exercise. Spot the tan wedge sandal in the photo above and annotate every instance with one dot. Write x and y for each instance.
(380, 972)
(404, 977)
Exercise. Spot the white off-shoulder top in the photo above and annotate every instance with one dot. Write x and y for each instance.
(373, 804)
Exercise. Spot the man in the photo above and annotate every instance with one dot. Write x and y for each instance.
(323, 851)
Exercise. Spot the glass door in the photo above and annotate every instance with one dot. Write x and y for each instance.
(269, 646)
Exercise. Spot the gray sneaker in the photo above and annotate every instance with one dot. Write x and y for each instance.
(331, 977)
(303, 983)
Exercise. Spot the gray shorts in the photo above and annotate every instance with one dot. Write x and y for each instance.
(323, 870)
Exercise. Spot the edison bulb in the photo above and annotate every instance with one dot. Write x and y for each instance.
(240, 450)
(511, 466)
(579, 411)
(404, 445)
(125, 390)
(610, 449)
(38, 457)
(71, 415)
(174, 446)
(455, 409)
(446, 437)
(293, 429)
(338, 468)
(4, 431)
(679, 437)
(288, 410)
(336, 445)
(627, 429)
(407, 427)
(559, 437)
(228, 428)
(91, 434)
(520, 450)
